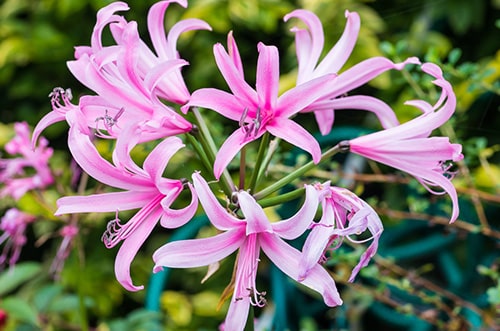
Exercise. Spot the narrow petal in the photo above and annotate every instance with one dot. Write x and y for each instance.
(159, 157)
(174, 218)
(296, 225)
(46, 121)
(217, 215)
(267, 82)
(233, 78)
(255, 217)
(237, 314)
(287, 259)
(308, 44)
(338, 55)
(325, 119)
(105, 202)
(233, 144)
(222, 102)
(86, 155)
(296, 135)
(179, 28)
(198, 252)
(131, 246)
(234, 53)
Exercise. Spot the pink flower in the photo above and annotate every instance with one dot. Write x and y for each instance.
(143, 188)
(344, 215)
(309, 47)
(248, 235)
(409, 148)
(13, 224)
(259, 110)
(68, 233)
(12, 171)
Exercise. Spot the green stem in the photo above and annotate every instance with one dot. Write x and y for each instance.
(208, 145)
(199, 150)
(243, 157)
(249, 326)
(258, 163)
(295, 174)
(282, 198)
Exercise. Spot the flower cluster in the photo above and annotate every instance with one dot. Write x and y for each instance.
(140, 97)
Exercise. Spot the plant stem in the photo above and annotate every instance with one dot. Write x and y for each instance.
(277, 200)
(243, 157)
(295, 174)
(258, 163)
(211, 150)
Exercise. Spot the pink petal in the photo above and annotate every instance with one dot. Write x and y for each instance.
(222, 102)
(296, 225)
(218, 216)
(237, 314)
(308, 44)
(105, 202)
(131, 246)
(233, 144)
(233, 77)
(234, 53)
(296, 135)
(198, 252)
(287, 259)
(339, 54)
(46, 121)
(267, 76)
(159, 157)
(174, 218)
(180, 27)
(255, 217)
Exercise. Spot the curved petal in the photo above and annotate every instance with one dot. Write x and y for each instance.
(233, 144)
(233, 77)
(180, 27)
(234, 53)
(156, 27)
(174, 218)
(300, 97)
(86, 155)
(338, 55)
(222, 102)
(255, 217)
(46, 121)
(198, 252)
(157, 160)
(131, 246)
(308, 44)
(296, 225)
(237, 314)
(365, 71)
(267, 82)
(217, 215)
(105, 202)
(287, 259)
(296, 135)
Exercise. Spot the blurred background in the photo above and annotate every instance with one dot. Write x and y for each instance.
(428, 275)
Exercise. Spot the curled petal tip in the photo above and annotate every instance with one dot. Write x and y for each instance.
(157, 269)
(432, 69)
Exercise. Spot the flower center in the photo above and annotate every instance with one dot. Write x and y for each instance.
(251, 128)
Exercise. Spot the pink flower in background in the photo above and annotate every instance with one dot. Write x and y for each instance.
(259, 110)
(409, 148)
(248, 235)
(13, 225)
(143, 188)
(68, 233)
(309, 46)
(344, 215)
(30, 170)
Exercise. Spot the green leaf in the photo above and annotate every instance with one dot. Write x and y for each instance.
(14, 277)
(19, 309)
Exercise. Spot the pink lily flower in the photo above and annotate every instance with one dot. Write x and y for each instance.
(13, 224)
(12, 171)
(409, 148)
(309, 46)
(248, 235)
(344, 215)
(259, 110)
(143, 188)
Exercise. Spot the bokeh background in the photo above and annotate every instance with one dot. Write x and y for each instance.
(428, 275)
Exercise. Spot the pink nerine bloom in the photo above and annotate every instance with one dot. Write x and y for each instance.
(344, 215)
(68, 233)
(250, 234)
(12, 171)
(409, 148)
(309, 46)
(13, 224)
(143, 188)
(259, 110)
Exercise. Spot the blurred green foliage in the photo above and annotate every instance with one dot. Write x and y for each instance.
(397, 292)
